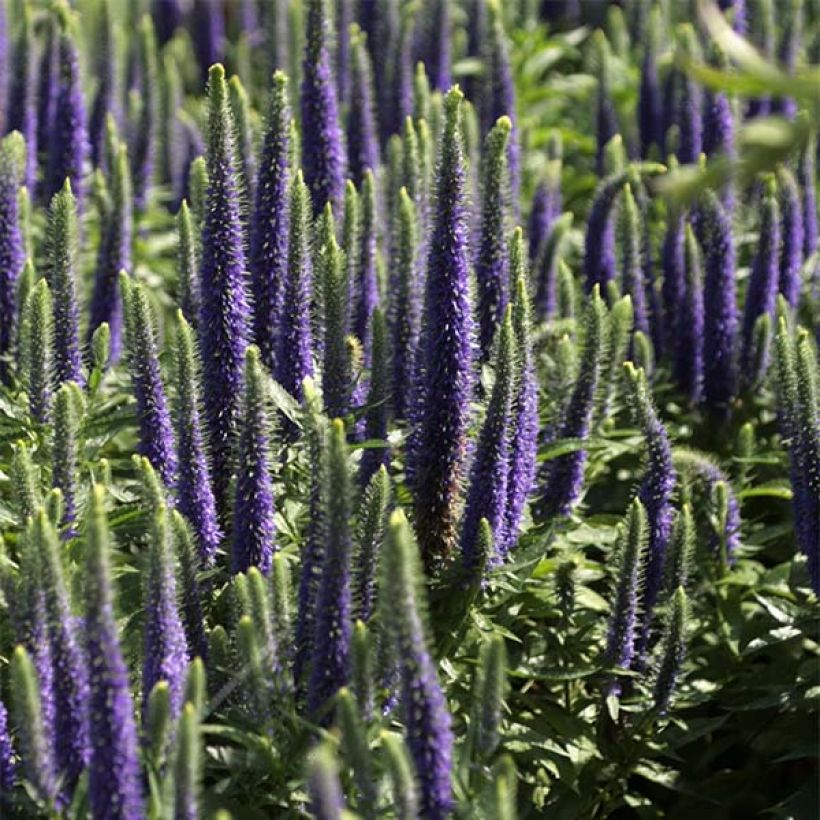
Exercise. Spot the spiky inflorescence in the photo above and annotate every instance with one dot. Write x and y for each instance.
(325, 790)
(365, 287)
(62, 276)
(524, 446)
(655, 493)
(362, 130)
(791, 236)
(72, 747)
(188, 765)
(194, 489)
(446, 360)
(115, 782)
(369, 536)
(563, 477)
(254, 529)
(156, 429)
(673, 265)
(714, 229)
(487, 494)
(632, 281)
(378, 400)
(606, 118)
(35, 751)
(190, 563)
(144, 147)
(623, 622)
(806, 176)
(22, 104)
(224, 321)
(323, 150)
(599, 249)
(426, 717)
(547, 200)
(114, 255)
(331, 641)
(244, 136)
(105, 98)
(187, 265)
(68, 139)
(47, 81)
(690, 100)
(489, 690)
(40, 349)
(650, 105)
(8, 771)
(209, 34)
(681, 548)
(674, 649)
(12, 259)
(294, 361)
(166, 648)
(405, 313)
(762, 290)
(689, 336)
(269, 224)
(492, 262)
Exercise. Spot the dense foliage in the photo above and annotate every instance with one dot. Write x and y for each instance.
(409, 409)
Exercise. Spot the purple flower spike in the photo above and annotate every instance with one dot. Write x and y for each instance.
(599, 250)
(47, 85)
(343, 19)
(806, 178)
(674, 274)
(167, 16)
(269, 224)
(366, 289)
(209, 34)
(224, 322)
(362, 131)
(690, 102)
(115, 781)
(547, 200)
(445, 369)
(254, 528)
(8, 773)
(323, 150)
(68, 146)
(791, 236)
(650, 105)
(22, 110)
(632, 280)
(689, 336)
(438, 57)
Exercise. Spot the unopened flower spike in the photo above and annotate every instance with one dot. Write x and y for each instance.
(325, 790)
(365, 287)
(187, 264)
(377, 416)
(632, 280)
(244, 136)
(68, 412)
(40, 347)
(689, 362)
(791, 236)
(190, 563)
(673, 651)
(372, 521)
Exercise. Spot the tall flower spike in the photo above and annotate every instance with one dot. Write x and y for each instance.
(689, 344)
(690, 99)
(715, 234)
(40, 347)
(166, 649)
(439, 57)
(655, 494)
(224, 322)
(492, 262)
(394, 110)
(68, 143)
(187, 264)
(188, 765)
(362, 130)
(174, 141)
(405, 309)
(194, 488)
(331, 642)
(632, 282)
(650, 104)
(606, 118)
(806, 176)
(244, 135)
(325, 790)
(294, 361)
(190, 564)
(209, 34)
(35, 752)
(673, 266)
(366, 286)
(105, 98)
(47, 83)
(446, 366)
(372, 520)
(72, 748)
(619, 335)
(22, 103)
(487, 494)
(62, 275)
(115, 781)
(323, 150)
(599, 250)
(623, 622)
(156, 429)
(351, 238)
(563, 477)
(547, 200)
(269, 224)
(427, 719)
(8, 771)
(762, 290)
(254, 529)
(674, 649)
(12, 259)
(791, 236)
(114, 255)
(524, 418)
(378, 400)
(144, 148)
(489, 690)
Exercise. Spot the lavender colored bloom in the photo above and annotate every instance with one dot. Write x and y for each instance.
(362, 131)
(599, 247)
(224, 321)
(714, 230)
(105, 99)
(144, 144)
(194, 488)
(396, 99)
(166, 649)
(806, 178)
(113, 255)
(438, 55)
(632, 279)
(323, 150)
(690, 101)
(8, 773)
(167, 16)
(378, 398)
(62, 276)
(208, 34)
(254, 528)
(762, 290)
(650, 103)
(12, 158)
(689, 336)
(22, 104)
(366, 288)
(295, 358)
(487, 494)
(673, 264)
(546, 204)
(492, 264)
(68, 144)
(426, 717)
(331, 640)
(445, 369)
(115, 782)
(269, 226)
(791, 236)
